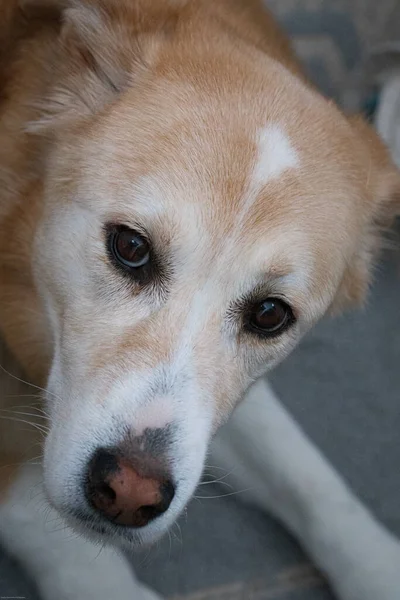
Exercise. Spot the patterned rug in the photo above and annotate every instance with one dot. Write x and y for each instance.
(335, 37)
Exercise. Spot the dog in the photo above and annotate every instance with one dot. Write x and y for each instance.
(178, 207)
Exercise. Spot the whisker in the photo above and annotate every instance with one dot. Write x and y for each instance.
(32, 405)
(179, 536)
(37, 387)
(63, 527)
(23, 461)
(37, 461)
(221, 478)
(56, 519)
(102, 546)
(23, 413)
(217, 482)
(40, 428)
(224, 495)
(35, 405)
(144, 561)
(214, 467)
(38, 493)
(25, 396)
(170, 544)
(46, 510)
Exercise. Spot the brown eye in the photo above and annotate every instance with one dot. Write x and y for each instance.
(271, 317)
(130, 248)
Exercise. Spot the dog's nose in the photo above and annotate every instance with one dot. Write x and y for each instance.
(117, 490)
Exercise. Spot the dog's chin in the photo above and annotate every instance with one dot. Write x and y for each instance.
(103, 533)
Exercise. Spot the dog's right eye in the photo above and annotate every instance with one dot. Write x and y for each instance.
(129, 249)
(270, 318)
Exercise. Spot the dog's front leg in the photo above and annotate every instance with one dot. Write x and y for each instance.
(64, 565)
(288, 476)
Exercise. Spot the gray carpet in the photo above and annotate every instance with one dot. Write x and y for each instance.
(342, 384)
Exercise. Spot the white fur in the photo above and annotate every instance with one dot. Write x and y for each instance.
(130, 401)
(64, 565)
(276, 154)
(286, 475)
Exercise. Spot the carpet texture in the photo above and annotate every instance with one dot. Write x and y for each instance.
(342, 384)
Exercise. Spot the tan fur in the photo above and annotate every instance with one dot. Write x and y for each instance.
(212, 72)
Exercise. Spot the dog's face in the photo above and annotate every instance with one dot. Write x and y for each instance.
(195, 228)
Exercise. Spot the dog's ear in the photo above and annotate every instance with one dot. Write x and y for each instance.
(379, 206)
(384, 176)
(103, 47)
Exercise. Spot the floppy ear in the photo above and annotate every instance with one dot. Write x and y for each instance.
(380, 206)
(103, 47)
(384, 175)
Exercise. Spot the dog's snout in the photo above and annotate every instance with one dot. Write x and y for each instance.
(122, 491)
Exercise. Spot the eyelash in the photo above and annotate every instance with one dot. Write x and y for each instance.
(241, 312)
(138, 277)
(156, 275)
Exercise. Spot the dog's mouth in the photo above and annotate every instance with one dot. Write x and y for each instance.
(101, 531)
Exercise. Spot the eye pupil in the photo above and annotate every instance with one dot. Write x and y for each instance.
(271, 316)
(131, 249)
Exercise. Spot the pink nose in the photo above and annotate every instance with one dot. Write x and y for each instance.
(116, 490)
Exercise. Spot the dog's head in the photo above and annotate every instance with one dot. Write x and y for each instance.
(204, 208)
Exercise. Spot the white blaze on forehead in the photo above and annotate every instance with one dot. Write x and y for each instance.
(275, 155)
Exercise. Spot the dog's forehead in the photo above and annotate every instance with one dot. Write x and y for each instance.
(226, 175)
(224, 153)
(226, 218)
(217, 181)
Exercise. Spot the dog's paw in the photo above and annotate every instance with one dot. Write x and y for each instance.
(87, 587)
(107, 576)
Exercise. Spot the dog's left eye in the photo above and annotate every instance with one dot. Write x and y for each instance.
(129, 248)
(270, 318)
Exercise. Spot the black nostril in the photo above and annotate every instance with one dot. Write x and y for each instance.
(167, 491)
(105, 490)
(145, 514)
(167, 495)
(102, 464)
(100, 467)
